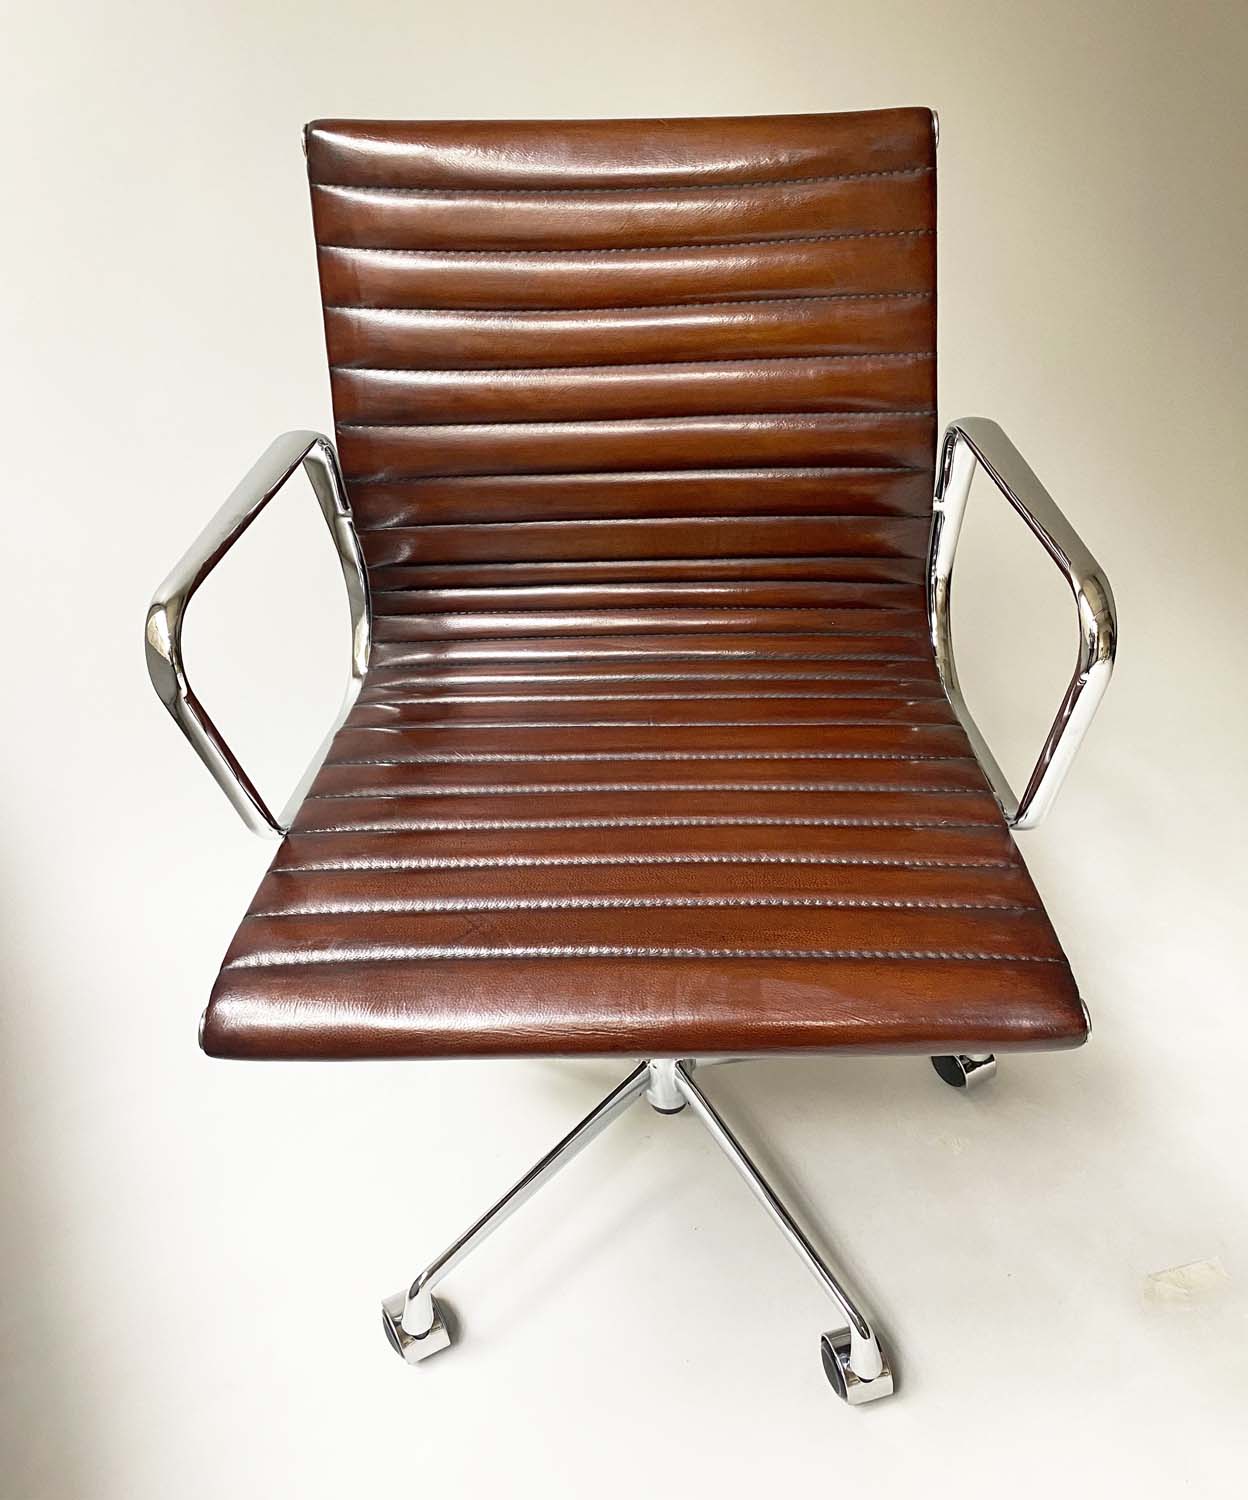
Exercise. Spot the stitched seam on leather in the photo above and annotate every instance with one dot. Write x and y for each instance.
(695, 657)
(449, 758)
(909, 619)
(349, 863)
(693, 619)
(746, 656)
(485, 252)
(655, 650)
(612, 610)
(499, 825)
(449, 688)
(381, 695)
(606, 637)
(649, 564)
(427, 642)
(399, 952)
(680, 626)
(551, 678)
(472, 726)
(915, 690)
(687, 418)
(574, 787)
(358, 307)
(603, 614)
(641, 189)
(705, 520)
(616, 601)
(634, 364)
(936, 696)
(595, 477)
(409, 653)
(599, 611)
(622, 903)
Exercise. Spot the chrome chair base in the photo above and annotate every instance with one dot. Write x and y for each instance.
(966, 1070)
(854, 1361)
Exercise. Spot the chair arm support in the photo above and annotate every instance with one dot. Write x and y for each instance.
(977, 442)
(165, 617)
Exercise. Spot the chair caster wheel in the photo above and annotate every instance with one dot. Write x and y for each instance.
(411, 1347)
(849, 1386)
(966, 1071)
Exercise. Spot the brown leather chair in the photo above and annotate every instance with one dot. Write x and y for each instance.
(654, 745)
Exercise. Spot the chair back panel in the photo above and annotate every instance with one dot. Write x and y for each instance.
(633, 363)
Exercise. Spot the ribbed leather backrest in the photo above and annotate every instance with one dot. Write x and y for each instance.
(630, 365)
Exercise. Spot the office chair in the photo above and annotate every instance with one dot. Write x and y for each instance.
(653, 746)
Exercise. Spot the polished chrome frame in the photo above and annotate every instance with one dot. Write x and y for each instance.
(976, 442)
(167, 613)
(853, 1358)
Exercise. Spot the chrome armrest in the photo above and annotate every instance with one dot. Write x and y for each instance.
(972, 442)
(163, 636)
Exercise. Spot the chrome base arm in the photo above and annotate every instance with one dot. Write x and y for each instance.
(419, 1312)
(853, 1358)
(862, 1365)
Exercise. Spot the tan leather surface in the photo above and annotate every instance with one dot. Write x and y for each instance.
(637, 420)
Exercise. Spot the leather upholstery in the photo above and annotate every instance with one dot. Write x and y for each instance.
(637, 420)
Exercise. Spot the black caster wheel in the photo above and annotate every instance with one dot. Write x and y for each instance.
(406, 1345)
(837, 1351)
(965, 1071)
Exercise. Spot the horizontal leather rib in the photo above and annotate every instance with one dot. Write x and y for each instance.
(650, 597)
(661, 442)
(404, 218)
(566, 695)
(294, 887)
(890, 842)
(479, 810)
(393, 742)
(877, 382)
(911, 839)
(642, 676)
(373, 906)
(589, 780)
(568, 698)
(639, 278)
(631, 648)
(579, 497)
(746, 1006)
(648, 570)
(722, 930)
(595, 154)
(533, 624)
(314, 853)
(656, 537)
(464, 338)
(673, 711)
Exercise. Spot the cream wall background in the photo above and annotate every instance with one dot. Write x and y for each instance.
(193, 1252)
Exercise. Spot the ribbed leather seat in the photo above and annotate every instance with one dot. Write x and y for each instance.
(637, 421)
